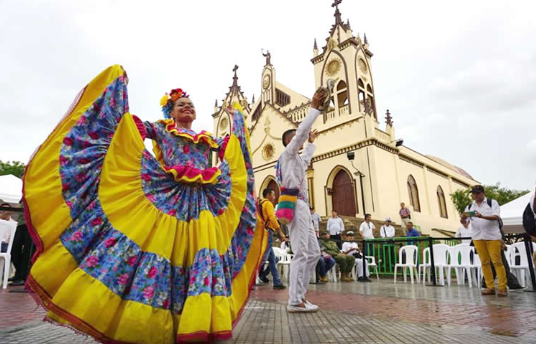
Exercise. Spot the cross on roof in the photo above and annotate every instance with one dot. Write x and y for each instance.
(235, 68)
(336, 3)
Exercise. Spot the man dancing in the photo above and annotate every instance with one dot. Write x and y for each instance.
(291, 169)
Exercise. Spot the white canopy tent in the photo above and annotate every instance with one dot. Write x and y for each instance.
(512, 214)
(10, 188)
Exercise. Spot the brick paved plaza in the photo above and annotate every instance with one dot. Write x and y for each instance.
(378, 312)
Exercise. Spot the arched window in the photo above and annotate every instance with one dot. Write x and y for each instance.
(442, 202)
(361, 95)
(413, 192)
(342, 94)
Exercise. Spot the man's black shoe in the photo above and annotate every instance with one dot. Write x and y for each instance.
(368, 280)
(14, 278)
(279, 286)
(361, 279)
(264, 280)
(17, 283)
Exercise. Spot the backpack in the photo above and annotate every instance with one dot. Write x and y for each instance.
(488, 201)
(529, 223)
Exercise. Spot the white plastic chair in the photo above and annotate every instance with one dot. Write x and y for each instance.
(411, 261)
(440, 262)
(522, 268)
(462, 267)
(477, 270)
(507, 254)
(371, 263)
(283, 261)
(7, 227)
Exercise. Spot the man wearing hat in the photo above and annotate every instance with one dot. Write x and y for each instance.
(387, 231)
(350, 248)
(346, 262)
(487, 238)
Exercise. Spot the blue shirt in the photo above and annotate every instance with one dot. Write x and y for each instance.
(413, 233)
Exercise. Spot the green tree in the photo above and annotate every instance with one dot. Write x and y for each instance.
(462, 198)
(15, 168)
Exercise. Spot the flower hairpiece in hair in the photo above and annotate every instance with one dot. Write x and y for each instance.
(168, 100)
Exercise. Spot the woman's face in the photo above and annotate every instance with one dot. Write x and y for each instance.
(183, 111)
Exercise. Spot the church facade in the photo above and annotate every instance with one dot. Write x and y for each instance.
(359, 165)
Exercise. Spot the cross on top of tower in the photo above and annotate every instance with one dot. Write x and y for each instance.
(336, 4)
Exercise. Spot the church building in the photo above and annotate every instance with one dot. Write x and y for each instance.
(359, 165)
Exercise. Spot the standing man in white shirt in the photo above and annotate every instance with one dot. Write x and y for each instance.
(366, 229)
(335, 228)
(387, 231)
(290, 172)
(464, 231)
(487, 238)
(316, 221)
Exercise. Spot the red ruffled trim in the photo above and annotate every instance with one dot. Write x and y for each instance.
(202, 136)
(192, 174)
(140, 126)
(221, 152)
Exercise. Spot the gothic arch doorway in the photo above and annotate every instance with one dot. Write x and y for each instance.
(270, 183)
(343, 194)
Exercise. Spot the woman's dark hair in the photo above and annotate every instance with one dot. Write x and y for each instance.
(285, 136)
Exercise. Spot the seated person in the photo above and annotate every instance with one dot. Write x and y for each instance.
(351, 248)
(346, 263)
(325, 263)
(6, 216)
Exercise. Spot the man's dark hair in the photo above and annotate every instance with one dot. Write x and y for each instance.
(266, 192)
(411, 223)
(367, 215)
(285, 136)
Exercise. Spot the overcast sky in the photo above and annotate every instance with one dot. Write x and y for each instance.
(459, 77)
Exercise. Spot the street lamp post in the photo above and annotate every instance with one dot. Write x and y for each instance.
(351, 157)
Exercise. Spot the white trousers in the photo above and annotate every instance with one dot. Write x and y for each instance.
(306, 252)
(359, 264)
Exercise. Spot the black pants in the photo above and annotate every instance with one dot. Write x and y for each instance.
(23, 248)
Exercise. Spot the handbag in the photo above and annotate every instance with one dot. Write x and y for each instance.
(286, 205)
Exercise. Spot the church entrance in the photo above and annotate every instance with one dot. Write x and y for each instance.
(343, 197)
(274, 186)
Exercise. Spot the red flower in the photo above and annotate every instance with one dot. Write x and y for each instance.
(68, 141)
(145, 177)
(152, 272)
(148, 292)
(93, 135)
(110, 242)
(92, 261)
(84, 161)
(172, 212)
(123, 279)
(63, 160)
(207, 281)
(81, 177)
(77, 236)
(97, 221)
(65, 187)
(166, 303)
(186, 149)
(132, 260)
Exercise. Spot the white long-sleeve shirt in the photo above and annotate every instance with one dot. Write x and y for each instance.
(335, 226)
(293, 165)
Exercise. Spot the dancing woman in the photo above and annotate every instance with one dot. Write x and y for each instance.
(138, 249)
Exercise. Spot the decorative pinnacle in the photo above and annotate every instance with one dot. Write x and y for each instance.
(388, 118)
(216, 103)
(235, 78)
(365, 38)
(315, 46)
(253, 99)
